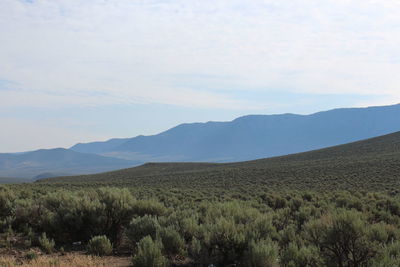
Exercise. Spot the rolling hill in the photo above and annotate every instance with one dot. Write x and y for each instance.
(367, 164)
(55, 162)
(5, 180)
(254, 136)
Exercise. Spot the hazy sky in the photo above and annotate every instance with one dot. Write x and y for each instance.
(83, 70)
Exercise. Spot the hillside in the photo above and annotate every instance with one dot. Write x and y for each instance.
(368, 164)
(254, 136)
(56, 162)
(5, 180)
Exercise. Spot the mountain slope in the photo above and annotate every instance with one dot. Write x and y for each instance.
(254, 136)
(53, 162)
(368, 164)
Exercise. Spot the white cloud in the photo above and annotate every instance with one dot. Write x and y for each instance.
(60, 52)
(222, 54)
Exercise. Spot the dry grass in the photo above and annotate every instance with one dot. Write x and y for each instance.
(69, 260)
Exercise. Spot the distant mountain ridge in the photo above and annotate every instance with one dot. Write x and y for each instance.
(254, 136)
(56, 162)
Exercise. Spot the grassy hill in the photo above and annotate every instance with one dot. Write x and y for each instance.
(369, 164)
(5, 180)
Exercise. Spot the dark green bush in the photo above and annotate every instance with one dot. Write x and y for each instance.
(343, 238)
(263, 253)
(172, 241)
(141, 227)
(263, 228)
(31, 255)
(225, 240)
(149, 254)
(197, 252)
(72, 217)
(148, 207)
(303, 256)
(118, 205)
(389, 256)
(7, 208)
(99, 246)
(209, 225)
(46, 244)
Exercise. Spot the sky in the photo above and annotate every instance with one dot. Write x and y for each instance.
(77, 70)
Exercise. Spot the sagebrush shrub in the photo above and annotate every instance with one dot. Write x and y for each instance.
(295, 256)
(6, 208)
(46, 244)
(262, 254)
(72, 217)
(31, 255)
(141, 227)
(342, 237)
(172, 241)
(389, 256)
(118, 210)
(149, 254)
(99, 246)
(148, 207)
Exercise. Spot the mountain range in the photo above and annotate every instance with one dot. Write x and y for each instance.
(245, 138)
(254, 136)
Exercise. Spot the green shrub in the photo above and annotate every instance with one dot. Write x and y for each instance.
(148, 207)
(7, 208)
(149, 254)
(263, 228)
(262, 254)
(27, 243)
(118, 211)
(72, 217)
(190, 227)
(295, 256)
(31, 255)
(225, 240)
(195, 249)
(46, 244)
(389, 256)
(100, 246)
(141, 227)
(287, 235)
(172, 241)
(378, 233)
(342, 238)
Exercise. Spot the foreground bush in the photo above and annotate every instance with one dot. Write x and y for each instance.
(117, 211)
(295, 256)
(262, 254)
(142, 227)
(342, 237)
(149, 254)
(100, 246)
(46, 244)
(173, 243)
(207, 226)
(6, 208)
